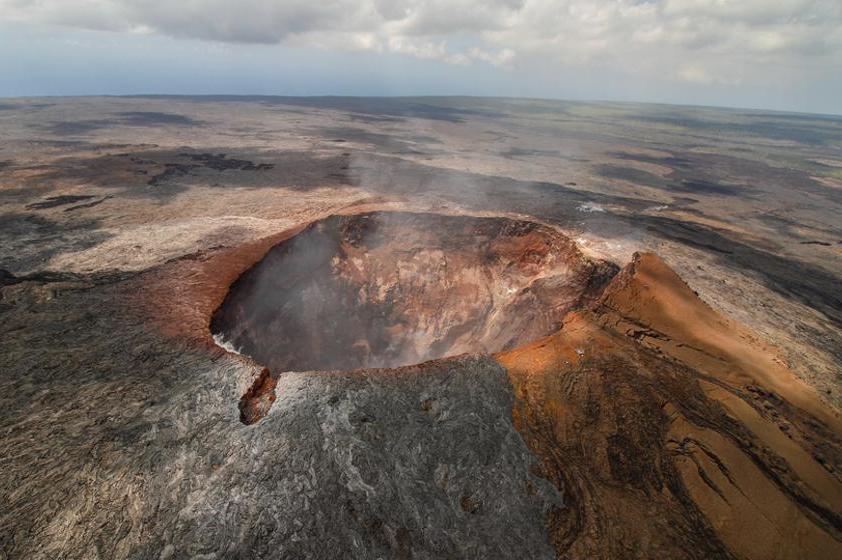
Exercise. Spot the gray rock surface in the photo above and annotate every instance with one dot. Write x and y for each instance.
(122, 445)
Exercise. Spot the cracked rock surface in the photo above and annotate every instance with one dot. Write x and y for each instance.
(155, 463)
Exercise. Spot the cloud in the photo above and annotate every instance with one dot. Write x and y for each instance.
(695, 74)
(659, 37)
(245, 21)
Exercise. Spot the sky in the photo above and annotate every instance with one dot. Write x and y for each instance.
(767, 54)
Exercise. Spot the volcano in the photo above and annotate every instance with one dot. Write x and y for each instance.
(651, 413)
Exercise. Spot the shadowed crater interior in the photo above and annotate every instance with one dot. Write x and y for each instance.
(388, 289)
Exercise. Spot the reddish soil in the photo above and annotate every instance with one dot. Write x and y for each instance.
(673, 432)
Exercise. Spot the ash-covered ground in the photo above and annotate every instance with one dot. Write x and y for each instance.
(125, 220)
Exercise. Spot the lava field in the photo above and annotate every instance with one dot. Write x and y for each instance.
(418, 329)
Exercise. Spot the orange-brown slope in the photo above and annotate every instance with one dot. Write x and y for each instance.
(672, 432)
(180, 296)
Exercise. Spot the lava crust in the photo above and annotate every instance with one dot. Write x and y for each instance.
(387, 289)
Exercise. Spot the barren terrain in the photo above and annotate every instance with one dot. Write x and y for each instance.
(264, 327)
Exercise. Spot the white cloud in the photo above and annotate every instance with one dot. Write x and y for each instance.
(692, 40)
(697, 74)
(503, 57)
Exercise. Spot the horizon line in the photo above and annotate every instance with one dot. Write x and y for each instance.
(423, 96)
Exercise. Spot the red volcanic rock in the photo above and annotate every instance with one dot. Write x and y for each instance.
(660, 421)
(257, 401)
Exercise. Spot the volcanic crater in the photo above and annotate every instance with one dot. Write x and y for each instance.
(389, 289)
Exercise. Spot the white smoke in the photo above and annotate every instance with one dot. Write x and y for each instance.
(220, 341)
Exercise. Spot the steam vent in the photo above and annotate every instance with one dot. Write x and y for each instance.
(389, 289)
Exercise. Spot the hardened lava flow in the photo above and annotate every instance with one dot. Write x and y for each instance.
(388, 289)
